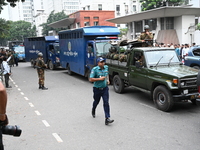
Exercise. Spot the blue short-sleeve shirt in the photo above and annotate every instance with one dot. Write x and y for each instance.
(97, 72)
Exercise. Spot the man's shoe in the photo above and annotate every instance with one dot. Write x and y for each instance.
(93, 113)
(40, 87)
(44, 88)
(107, 121)
(9, 87)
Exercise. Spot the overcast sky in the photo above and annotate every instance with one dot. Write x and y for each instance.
(4, 13)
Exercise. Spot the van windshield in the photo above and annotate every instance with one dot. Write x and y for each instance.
(19, 49)
(102, 48)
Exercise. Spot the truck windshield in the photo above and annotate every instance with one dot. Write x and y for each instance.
(102, 48)
(19, 49)
(167, 56)
(57, 49)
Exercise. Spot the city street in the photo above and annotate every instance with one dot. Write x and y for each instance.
(60, 118)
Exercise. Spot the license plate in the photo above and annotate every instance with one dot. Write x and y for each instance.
(185, 91)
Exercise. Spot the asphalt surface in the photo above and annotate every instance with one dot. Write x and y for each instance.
(60, 117)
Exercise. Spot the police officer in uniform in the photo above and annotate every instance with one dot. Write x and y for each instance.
(40, 65)
(146, 37)
(99, 75)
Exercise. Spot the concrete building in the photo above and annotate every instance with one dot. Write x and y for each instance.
(169, 24)
(121, 7)
(68, 6)
(84, 18)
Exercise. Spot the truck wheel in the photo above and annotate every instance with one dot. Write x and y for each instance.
(196, 67)
(194, 101)
(51, 65)
(118, 84)
(163, 98)
(69, 71)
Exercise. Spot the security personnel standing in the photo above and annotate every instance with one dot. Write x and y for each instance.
(40, 65)
(99, 75)
(146, 35)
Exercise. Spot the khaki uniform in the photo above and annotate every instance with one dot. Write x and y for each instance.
(40, 70)
(145, 36)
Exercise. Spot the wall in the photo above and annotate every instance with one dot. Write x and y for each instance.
(103, 16)
(187, 21)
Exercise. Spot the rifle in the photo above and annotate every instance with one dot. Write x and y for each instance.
(40, 68)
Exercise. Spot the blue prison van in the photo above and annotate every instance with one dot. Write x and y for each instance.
(48, 45)
(80, 48)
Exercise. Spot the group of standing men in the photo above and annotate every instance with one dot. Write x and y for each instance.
(5, 67)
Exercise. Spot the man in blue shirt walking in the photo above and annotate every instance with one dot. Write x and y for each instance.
(99, 75)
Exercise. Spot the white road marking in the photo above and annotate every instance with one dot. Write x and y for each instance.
(37, 112)
(19, 89)
(57, 137)
(31, 104)
(46, 123)
(147, 106)
(13, 82)
(26, 98)
(16, 85)
(22, 93)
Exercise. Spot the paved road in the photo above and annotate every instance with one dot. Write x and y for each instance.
(60, 118)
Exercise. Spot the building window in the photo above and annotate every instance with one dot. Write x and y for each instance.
(96, 18)
(152, 23)
(126, 9)
(118, 25)
(96, 23)
(99, 6)
(169, 23)
(118, 8)
(87, 18)
(134, 8)
(88, 7)
(138, 26)
(86, 24)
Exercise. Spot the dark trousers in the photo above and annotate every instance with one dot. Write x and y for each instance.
(6, 76)
(16, 61)
(1, 141)
(104, 93)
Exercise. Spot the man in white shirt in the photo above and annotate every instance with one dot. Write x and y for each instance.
(6, 71)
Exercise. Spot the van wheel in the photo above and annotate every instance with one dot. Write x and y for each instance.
(88, 75)
(162, 98)
(32, 63)
(51, 65)
(118, 84)
(69, 71)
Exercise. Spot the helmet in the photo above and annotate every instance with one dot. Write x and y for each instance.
(146, 27)
(40, 54)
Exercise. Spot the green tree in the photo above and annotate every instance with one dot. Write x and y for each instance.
(123, 31)
(53, 18)
(4, 31)
(152, 4)
(198, 26)
(20, 30)
(11, 2)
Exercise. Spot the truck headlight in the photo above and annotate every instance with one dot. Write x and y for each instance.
(182, 83)
(175, 81)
